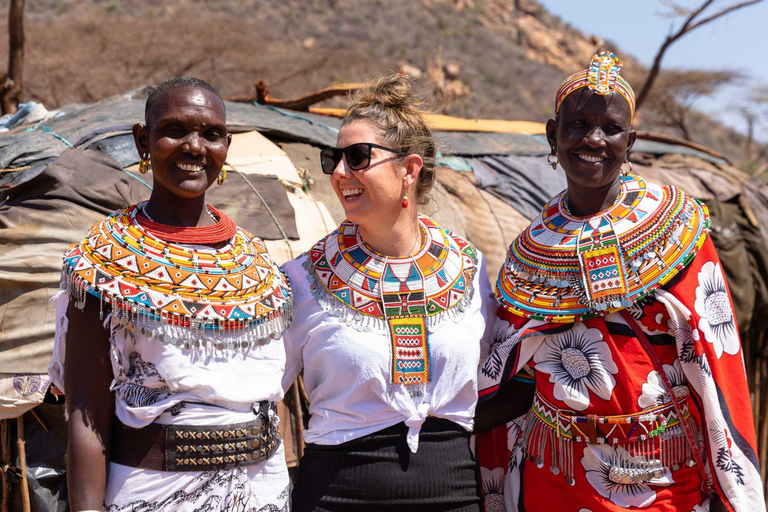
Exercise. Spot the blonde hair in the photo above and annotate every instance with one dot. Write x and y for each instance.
(390, 105)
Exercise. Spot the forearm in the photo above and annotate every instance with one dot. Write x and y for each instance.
(512, 400)
(87, 463)
(90, 404)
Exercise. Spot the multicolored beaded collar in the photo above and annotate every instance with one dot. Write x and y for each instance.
(406, 296)
(234, 297)
(564, 268)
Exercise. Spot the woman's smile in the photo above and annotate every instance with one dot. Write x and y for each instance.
(590, 159)
(351, 194)
(190, 168)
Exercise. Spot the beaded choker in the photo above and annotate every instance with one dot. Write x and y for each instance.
(406, 297)
(564, 268)
(232, 297)
(223, 229)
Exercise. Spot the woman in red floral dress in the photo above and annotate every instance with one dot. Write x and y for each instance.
(616, 299)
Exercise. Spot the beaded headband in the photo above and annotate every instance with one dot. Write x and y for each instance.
(602, 76)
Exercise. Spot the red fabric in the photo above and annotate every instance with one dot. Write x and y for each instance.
(600, 367)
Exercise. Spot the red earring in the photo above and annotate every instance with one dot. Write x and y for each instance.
(405, 200)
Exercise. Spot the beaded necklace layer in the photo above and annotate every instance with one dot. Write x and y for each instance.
(564, 268)
(405, 297)
(233, 297)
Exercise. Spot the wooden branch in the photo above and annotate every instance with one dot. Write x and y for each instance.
(298, 419)
(687, 26)
(25, 505)
(723, 13)
(5, 463)
(12, 86)
(697, 12)
(668, 139)
(302, 103)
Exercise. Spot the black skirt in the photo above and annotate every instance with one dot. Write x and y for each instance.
(379, 472)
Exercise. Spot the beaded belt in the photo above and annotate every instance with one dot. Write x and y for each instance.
(197, 448)
(651, 440)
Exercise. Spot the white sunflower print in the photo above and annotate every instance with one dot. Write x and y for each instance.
(716, 319)
(578, 362)
(512, 483)
(503, 340)
(654, 391)
(611, 474)
(493, 486)
(704, 507)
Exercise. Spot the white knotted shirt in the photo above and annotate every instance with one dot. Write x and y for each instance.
(347, 371)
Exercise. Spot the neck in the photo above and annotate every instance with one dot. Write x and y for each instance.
(583, 202)
(399, 238)
(176, 211)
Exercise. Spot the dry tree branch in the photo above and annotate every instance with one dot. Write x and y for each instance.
(689, 24)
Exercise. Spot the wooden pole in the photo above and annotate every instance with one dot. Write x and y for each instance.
(25, 506)
(298, 418)
(762, 425)
(11, 89)
(5, 463)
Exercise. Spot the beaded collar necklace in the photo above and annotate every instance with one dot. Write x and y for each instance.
(232, 297)
(564, 268)
(223, 229)
(405, 297)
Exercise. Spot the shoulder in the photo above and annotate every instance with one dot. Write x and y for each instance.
(295, 267)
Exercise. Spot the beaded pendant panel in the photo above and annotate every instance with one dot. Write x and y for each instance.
(411, 350)
(144, 278)
(564, 268)
(405, 296)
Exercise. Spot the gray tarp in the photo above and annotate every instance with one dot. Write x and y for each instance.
(106, 126)
(525, 182)
(41, 216)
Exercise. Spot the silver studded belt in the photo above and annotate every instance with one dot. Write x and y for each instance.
(197, 448)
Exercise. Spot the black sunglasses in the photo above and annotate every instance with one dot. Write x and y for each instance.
(358, 156)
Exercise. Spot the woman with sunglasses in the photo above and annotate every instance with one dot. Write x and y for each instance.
(389, 326)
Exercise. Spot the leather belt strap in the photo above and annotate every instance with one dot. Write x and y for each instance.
(194, 447)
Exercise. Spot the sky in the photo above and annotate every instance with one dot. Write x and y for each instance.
(736, 41)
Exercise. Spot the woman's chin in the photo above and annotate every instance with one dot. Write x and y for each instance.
(190, 189)
(355, 211)
(592, 177)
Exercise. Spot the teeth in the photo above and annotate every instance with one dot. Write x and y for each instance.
(590, 158)
(190, 167)
(351, 192)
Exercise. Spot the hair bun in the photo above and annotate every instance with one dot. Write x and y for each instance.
(392, 91)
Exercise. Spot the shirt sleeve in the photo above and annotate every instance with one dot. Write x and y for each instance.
(294, 338)
(489, 306)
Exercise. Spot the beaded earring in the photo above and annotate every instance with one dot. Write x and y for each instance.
(143, 164)
(222, 176)
(625, 172)
(554, 163)
(405, 201)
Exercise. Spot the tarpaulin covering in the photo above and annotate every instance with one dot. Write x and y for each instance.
(40, 217)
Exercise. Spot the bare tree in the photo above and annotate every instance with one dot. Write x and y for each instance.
(677, 92)
(11, 83)
(693, 20)
(754, 110)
